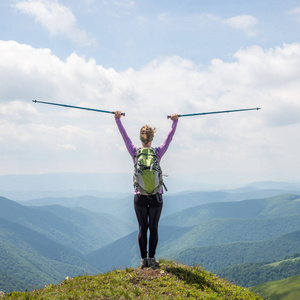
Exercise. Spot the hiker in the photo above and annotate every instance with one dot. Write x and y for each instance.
(147, 207)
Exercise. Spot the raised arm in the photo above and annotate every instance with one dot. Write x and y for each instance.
(130, 147)
(161, 150)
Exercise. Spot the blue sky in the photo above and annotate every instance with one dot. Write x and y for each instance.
(149, 59)
(124, 34)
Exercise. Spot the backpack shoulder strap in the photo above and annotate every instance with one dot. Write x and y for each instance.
(138, 150)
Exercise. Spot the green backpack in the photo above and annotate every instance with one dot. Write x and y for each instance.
(147, 178)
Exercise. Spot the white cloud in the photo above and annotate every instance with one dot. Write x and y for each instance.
(60, 139)
(245, 23)
(296, 12)
(163, 17)
(56, 18)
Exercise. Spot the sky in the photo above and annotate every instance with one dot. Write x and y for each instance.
(150, 59)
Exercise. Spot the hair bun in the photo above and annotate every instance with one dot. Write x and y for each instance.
(147, 134)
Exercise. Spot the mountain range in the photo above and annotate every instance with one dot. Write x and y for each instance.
(44, 240)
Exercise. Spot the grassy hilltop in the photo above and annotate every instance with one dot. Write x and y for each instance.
(287, 289)
(171, 281)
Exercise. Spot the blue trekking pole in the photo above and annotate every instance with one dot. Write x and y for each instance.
(216, 112)
(78, 107)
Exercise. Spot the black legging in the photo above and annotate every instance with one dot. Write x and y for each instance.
(148, 210)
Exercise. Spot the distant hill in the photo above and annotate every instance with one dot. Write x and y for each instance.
(83, 230)
(122, 206)
(288, 186)
(285, 289)
(278, 206)
(171, 281)
(220, 256)
(37, 244)
(33, 261)
(98, 229)
(117, 207)
(41, 245)
(225, 231)
(250, 274)
(179, 202)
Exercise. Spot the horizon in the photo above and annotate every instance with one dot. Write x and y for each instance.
(115, 185)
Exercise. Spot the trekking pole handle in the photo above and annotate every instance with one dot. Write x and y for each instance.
(169, 116)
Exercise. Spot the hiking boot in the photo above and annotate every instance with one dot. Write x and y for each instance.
(144, 263)
(152, 262)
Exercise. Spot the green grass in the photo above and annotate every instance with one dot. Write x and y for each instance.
(285, 289)
(277, 263)
(171, 281)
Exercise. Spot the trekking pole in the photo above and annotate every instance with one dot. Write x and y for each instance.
(78, 107)
(215, 112)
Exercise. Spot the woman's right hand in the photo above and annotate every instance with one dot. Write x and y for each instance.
(118, 114)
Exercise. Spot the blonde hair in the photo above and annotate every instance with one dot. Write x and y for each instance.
(147, 134)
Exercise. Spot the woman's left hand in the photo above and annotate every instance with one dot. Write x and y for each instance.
(174, 117)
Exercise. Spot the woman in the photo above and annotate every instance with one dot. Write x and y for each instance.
(147, 207)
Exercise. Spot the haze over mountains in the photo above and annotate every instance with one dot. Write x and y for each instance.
(44, 240)
(28, 187)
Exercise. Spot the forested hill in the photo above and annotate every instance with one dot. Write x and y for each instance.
(250, 274)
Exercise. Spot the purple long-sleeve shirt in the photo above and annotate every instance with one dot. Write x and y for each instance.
(160, 151)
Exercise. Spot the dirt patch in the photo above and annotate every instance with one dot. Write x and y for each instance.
(139, 274)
